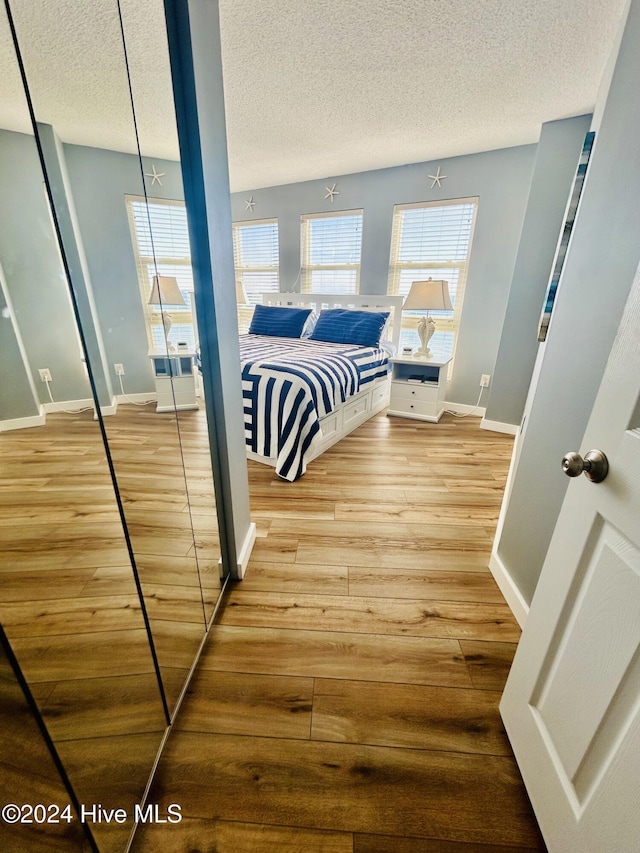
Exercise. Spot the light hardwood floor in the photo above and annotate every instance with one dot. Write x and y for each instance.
(347, 699)
(68, 600)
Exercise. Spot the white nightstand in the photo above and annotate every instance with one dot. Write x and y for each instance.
(422, 399)
(175, 381)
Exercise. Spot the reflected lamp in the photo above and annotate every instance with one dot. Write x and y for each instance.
(164, 292)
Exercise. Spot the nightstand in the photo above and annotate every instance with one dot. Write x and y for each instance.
(418, 387)
(175, 381)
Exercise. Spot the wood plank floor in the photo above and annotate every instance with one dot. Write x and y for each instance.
(347, 699)
(68, 600)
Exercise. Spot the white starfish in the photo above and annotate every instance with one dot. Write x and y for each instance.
(250, 204)
(155, 176)
(437, 178)
(331, 191)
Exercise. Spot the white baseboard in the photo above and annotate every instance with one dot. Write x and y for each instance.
(245, 551)
(23, 423)
(464, 409)
(512, 594)
(68, 405)
(497, 426)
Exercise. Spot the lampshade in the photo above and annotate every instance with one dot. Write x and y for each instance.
(165, 291)
(241, 296)
(428, 296)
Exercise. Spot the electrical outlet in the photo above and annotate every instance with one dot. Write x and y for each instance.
(119, 369)
(484, 380)
(45, 374)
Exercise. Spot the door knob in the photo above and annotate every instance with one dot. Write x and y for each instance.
(595, 465)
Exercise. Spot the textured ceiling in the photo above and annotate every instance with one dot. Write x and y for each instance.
(318, 88)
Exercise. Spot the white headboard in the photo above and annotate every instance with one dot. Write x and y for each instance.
(355, 301)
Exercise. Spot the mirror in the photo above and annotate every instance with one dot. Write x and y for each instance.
(117, 194)
(101, 502)
(27, 768)
(68, 599)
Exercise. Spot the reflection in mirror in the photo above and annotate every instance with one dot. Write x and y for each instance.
(30, 776)
(160, 241)
(121, 216)
(68, 597)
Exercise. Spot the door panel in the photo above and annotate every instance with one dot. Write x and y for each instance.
(571, 705)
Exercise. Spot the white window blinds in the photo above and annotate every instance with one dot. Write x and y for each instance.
(331, 245)
(432, 239)
(255, 255)
(160, 239)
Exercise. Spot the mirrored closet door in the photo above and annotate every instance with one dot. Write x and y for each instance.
(28, 767)
(108, 524)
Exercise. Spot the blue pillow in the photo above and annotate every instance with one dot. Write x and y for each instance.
(343, 326)
(278, 322)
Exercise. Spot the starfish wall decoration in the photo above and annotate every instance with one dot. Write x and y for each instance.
(437, 178)
(331, 191)
(250, 204)
(155, 176)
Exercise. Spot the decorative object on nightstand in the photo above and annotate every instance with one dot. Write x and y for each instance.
(427, 296)
(165, 292)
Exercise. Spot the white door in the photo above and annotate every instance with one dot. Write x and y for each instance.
(571, 706)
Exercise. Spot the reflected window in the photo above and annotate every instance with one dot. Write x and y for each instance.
(160, 238)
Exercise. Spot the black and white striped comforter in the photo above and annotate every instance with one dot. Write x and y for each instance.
(288, 384)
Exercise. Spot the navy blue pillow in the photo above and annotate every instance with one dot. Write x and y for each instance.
(342, 326)
(278, 322)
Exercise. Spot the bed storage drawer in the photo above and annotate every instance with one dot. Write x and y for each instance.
(356, 409)
(331, 423)
(380, 394)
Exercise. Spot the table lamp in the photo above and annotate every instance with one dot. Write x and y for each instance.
(165, 292)
(427, 296)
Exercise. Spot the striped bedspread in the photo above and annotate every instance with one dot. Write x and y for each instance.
(288, 384)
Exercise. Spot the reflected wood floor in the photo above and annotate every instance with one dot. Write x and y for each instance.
(347, 699)
(68, 600)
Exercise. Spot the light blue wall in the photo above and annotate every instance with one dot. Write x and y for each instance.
(16, 398)
(34, 276)
(99, 181)
(598, 271)
(75, 263)
(556, 161)
(500, 179)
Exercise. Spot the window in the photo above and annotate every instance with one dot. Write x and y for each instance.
(331, 247)
(432, 240)
(161, 246)
(255, 257)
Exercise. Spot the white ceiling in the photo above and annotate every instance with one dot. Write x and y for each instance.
(318, 88)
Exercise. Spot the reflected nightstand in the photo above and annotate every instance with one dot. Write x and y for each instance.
(175, 380)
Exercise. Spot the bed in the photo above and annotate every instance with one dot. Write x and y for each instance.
(300, 395)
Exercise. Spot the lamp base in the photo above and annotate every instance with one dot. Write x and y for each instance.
(426, 328)
(424, 352)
